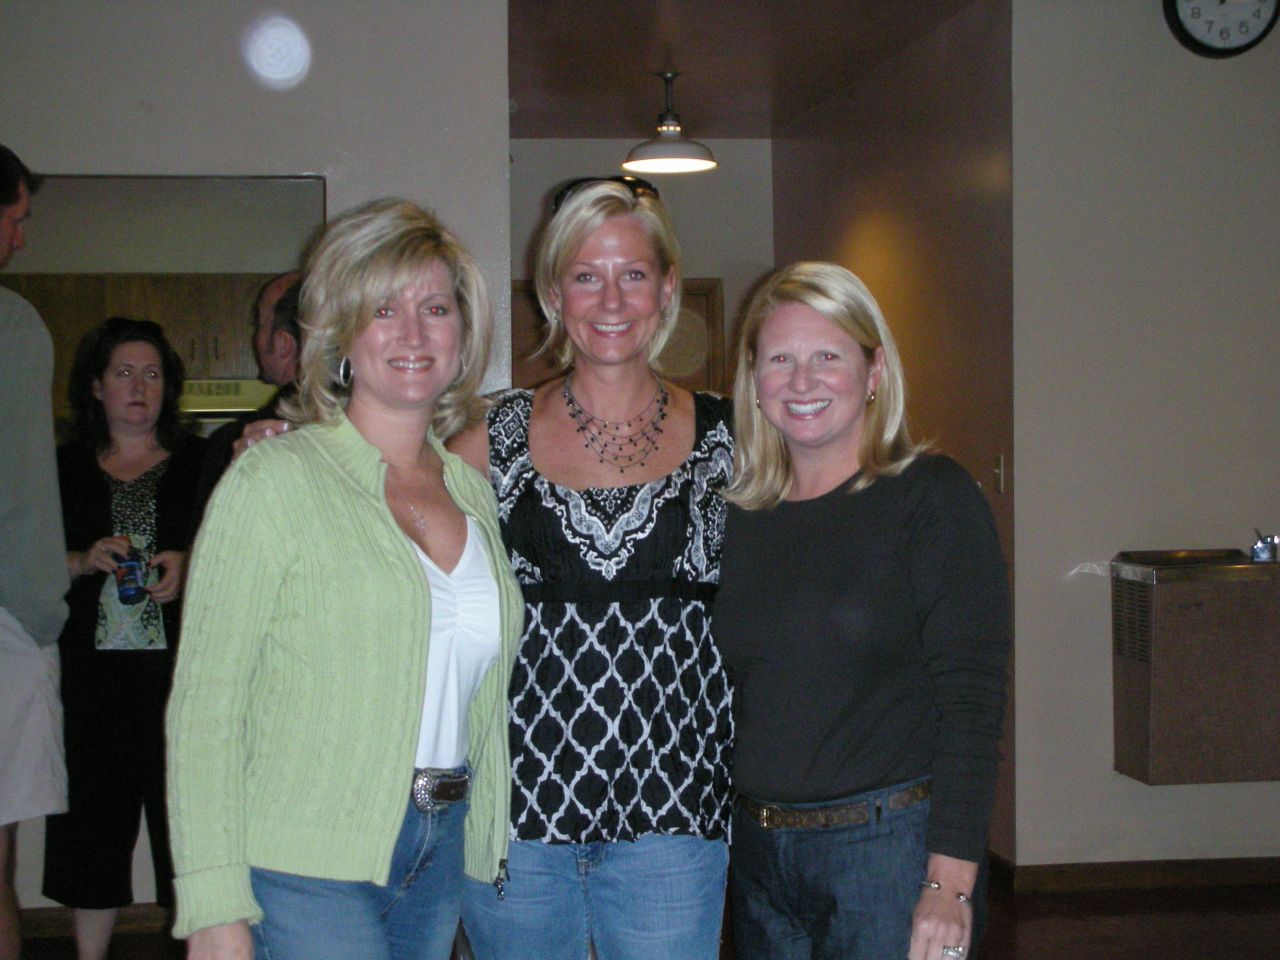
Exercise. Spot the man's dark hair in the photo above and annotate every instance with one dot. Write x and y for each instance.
(12, 173)
(287, 312)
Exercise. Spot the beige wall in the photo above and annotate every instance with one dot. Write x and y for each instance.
(403, 99)
(1146, 305)
(724, 217)
(906, 181)
(406, 99)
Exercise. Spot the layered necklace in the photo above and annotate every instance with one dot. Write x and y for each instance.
(620, 443)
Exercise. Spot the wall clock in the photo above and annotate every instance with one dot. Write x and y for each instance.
(1220, 28)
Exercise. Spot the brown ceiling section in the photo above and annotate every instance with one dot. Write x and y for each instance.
(585, 68)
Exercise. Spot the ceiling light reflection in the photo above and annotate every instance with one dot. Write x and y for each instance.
(277, 52)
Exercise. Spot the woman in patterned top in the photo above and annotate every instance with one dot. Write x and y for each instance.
(608, 482)
(127, 480)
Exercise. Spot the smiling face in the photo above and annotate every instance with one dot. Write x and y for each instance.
(411, 350)
(812, 379)
(612, 292)
(131, 388)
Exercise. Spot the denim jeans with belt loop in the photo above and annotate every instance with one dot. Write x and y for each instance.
(829, 892)
(658, 898)
(413, 917)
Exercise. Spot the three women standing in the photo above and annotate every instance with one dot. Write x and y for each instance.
(128, 479)
(864, 617)
(340, 701)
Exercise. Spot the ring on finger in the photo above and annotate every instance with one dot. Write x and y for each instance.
(955, 952)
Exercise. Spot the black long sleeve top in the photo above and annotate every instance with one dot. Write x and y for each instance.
(867, 635)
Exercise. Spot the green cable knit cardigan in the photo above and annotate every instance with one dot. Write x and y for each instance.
(293, 723)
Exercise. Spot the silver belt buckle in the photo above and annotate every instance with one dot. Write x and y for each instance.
(424, 784)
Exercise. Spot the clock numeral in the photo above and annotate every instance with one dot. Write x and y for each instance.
(1195, 13)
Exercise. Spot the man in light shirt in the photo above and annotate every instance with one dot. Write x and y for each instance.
(33, 561)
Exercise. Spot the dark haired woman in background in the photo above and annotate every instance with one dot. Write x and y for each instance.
(128, 479)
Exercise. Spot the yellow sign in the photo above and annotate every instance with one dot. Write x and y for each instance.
(224, 396)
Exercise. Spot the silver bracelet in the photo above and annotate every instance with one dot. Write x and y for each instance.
(935, 885)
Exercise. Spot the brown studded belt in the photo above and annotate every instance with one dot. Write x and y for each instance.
(773, 817)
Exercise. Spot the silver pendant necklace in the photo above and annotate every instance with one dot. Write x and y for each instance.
(419, 522)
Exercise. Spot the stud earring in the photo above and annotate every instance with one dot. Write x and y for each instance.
(871, 398)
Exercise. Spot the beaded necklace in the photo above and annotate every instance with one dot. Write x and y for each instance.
(624, 443)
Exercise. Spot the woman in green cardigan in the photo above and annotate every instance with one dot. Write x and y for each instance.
(339, 706)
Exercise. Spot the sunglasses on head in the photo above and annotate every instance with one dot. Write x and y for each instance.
(637, 186)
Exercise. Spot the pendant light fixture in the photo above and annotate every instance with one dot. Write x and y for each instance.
(669, 151)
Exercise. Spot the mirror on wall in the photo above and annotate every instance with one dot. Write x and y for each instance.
(171, 224)
(189, 253)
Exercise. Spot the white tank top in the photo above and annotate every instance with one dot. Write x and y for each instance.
(464, 643)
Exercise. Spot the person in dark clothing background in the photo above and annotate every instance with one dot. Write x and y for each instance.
(127, 478)
(277, 344)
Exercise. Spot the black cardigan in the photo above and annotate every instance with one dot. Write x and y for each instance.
(86, 515)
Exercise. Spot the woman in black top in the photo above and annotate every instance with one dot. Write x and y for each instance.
(608, 481)
(127, 479)
(864, 620)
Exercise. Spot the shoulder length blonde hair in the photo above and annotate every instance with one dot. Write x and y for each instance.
(582, 212)
(762, 474)
(359, 260)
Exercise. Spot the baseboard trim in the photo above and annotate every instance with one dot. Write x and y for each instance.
(46, 923)
(42, 923)
(1134, 875)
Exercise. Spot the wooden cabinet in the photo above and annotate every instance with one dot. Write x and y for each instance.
(207, 317)
(694, 357)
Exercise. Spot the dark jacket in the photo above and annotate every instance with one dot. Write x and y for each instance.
(86, 515)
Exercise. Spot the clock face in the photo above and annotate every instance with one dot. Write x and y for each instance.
(1220, 28)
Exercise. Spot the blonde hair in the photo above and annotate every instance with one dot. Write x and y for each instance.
(361, 258)
(584, 210)
(762, 474)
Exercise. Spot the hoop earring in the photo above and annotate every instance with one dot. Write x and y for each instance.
(344, 372)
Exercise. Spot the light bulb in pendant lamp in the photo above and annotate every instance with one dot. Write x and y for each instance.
(669, 151)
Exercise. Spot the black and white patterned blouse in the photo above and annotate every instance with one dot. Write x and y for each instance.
(620, 707)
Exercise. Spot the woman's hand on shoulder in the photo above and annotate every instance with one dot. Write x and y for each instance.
(227, 941)
(173, 565)
(256, 432)
(104, 555)
(940, 919)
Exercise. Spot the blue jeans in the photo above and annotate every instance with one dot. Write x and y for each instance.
(661, 896)
(834, 892)
(414, 917)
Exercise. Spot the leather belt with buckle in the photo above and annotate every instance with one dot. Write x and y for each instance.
(432, 787)
(772, 817)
